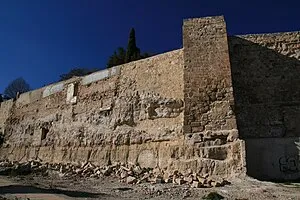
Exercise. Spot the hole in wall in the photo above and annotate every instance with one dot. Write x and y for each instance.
(1, 138)
(44, 133)
(75, 89)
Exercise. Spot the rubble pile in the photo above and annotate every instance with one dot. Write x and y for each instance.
(128, 173)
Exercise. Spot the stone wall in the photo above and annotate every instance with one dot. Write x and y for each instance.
(199, 108)
(265, 72)
(136, 112)
(273, 158)
(209, 120)
(129, 113)
(5, 112)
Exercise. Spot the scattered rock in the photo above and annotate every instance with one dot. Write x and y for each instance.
(179, 181)
(78, 171)
(188, 179)
(128, 173)
(124, 174)
(107, 171)
(215, 184)
(202, 180)
(158, 180)
(168, 180)
(137, 170)
(131, 180)
(5, 171)
(196, 184)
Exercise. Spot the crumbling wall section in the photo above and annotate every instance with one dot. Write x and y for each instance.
(5, 112)
(184, 109)
(173, 111)
(129, 113)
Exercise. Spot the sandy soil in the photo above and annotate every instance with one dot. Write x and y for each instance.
(55, 188)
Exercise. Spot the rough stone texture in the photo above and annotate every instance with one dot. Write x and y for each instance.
(5, 112)
(187, 110)
(266, 82)
(129, 116)
(209, 120)
(265, 73)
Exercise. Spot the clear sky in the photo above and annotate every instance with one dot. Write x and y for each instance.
(41, 39)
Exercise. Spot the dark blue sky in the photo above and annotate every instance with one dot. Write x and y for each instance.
(41, 39)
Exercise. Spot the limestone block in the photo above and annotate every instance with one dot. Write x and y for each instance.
(52, 89)
(71, 93)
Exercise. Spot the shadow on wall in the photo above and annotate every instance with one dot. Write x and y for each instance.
(267, 105)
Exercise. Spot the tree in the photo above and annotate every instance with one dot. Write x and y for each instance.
(1, 99)
(77, 72)
(121, 55)
(146, 55)
(18, 85)
(133, 52)
(118, 58)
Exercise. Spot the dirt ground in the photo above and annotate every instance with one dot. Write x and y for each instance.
(55, 188)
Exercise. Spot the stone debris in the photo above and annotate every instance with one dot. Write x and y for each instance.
(179, 181)
(130, 180)
(196, 184)
(128, 173)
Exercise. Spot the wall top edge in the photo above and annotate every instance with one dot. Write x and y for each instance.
(199, 19)
(153, 57)
(111, 70)
(267, 34)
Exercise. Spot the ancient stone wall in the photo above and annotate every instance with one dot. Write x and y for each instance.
(136, 112)
(193, 109)
(5, 112)
(265, 71)
(128, 113)
(209, 120)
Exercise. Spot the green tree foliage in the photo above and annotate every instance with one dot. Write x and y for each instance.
(132, 53)
(3, 97)
(18, 85)
(118, 58)
(76, 72)
(145, 55)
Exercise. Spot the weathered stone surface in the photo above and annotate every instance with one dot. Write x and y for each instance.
(184, 110)
(179, 181)
(265, 72)
(196, 184)
(208, 90)
(130, 180)
(125, 173)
